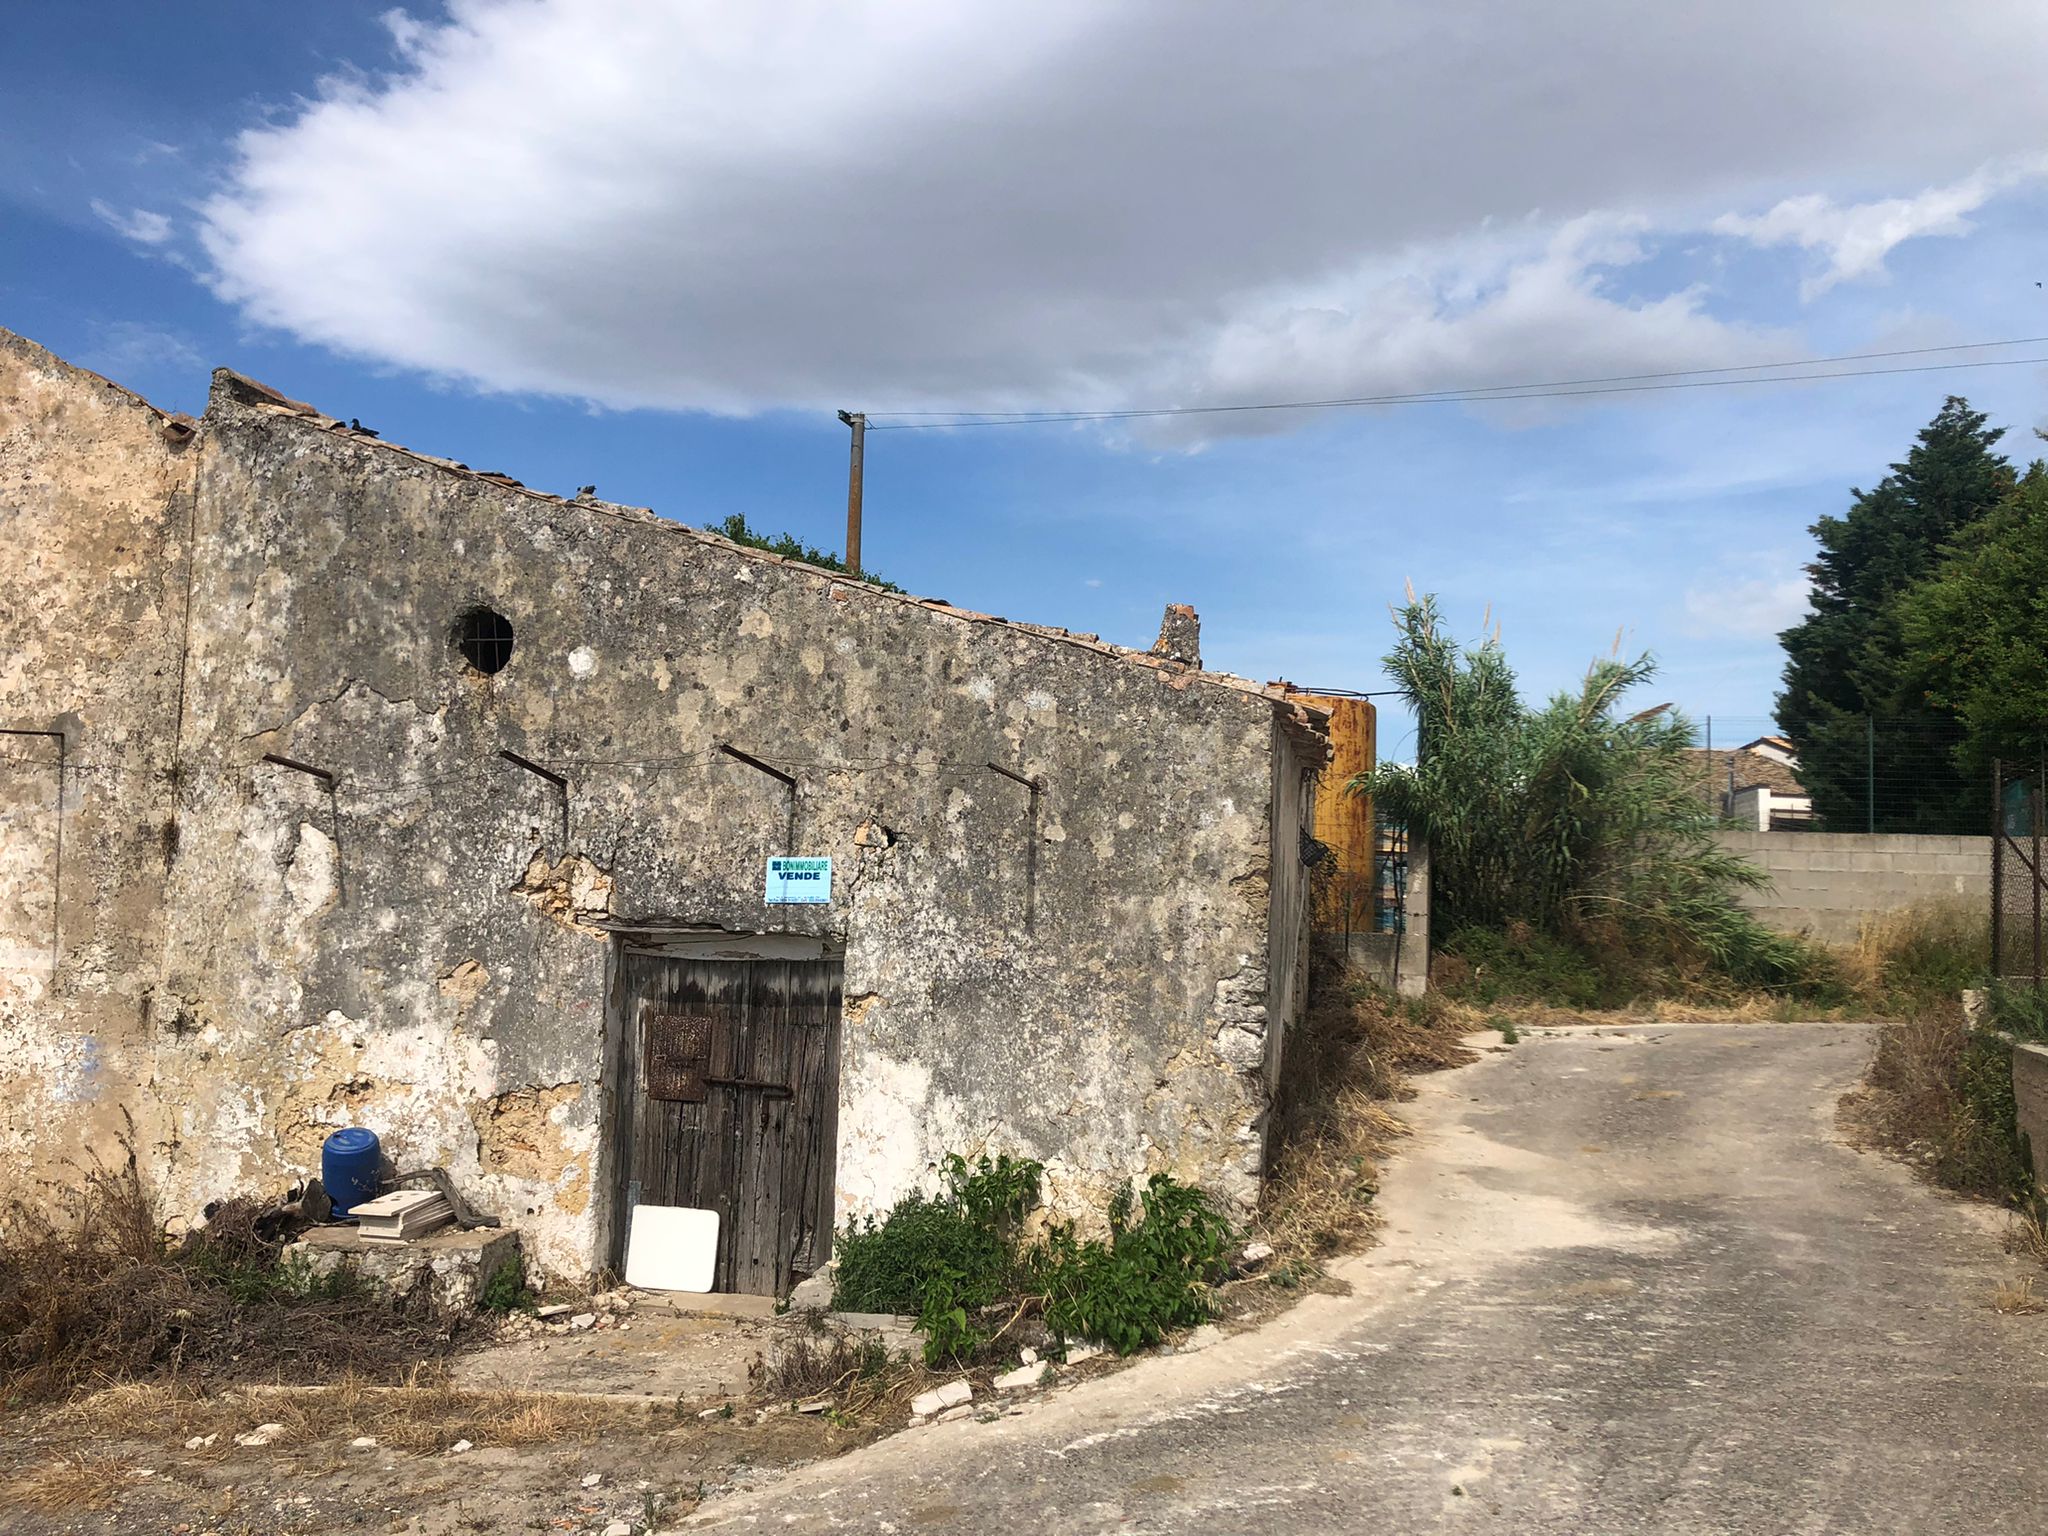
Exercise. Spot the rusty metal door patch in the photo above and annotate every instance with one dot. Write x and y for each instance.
(676, 1050)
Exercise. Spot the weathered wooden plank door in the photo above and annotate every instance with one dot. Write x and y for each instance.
(729, 1093)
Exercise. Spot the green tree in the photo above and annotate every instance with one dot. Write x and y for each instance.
(791, 548)
(1580, 822)
(1976, 631)
(1849, 698)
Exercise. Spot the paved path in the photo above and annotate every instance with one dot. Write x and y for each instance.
(1630, 1283)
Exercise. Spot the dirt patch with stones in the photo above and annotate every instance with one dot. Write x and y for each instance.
(421, 1461)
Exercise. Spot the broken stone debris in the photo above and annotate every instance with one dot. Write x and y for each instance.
(459, 1447)
(200, 1442)
(363, 1443)
(262, 1434)
(617, 1528)
(558, 1309)
(813, 1293)
(952, 1394)
(1255, 1254)
(1076, 1353)
(1024, 1376)
(583, 1320)
(592, 1479)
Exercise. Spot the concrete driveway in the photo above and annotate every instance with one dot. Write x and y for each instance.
(1630, 1283)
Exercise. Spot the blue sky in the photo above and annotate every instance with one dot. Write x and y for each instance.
(654, 247)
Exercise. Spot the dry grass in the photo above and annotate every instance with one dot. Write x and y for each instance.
(1348, 1061)
(1940, 1095)
(1905, 961)
(2028, 1236)
(80, 1480)
(419, 1418)
(855, 1372)
(92, 1295)
(1901, 964)
(2017, 1296)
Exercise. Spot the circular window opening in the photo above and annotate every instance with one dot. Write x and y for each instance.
(484, 636)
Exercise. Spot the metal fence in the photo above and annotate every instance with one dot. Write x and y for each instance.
(1856, 773)
(2019, 882)
(1370, 900)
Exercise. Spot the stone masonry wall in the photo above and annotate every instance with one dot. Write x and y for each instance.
(1829, 883)
(95, 507)
(414, 936)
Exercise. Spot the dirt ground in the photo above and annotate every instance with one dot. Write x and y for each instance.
(663, 1414)
(533, 1463)
(625, 1426)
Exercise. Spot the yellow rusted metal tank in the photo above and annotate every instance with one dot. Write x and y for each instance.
(1343, 821)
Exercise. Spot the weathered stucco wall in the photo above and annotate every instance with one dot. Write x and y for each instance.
(415, 935)
(1294, 798)
(94, 505)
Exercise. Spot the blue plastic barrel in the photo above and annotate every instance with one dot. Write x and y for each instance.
(351, 1166)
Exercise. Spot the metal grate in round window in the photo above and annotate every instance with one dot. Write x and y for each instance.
(484, 636)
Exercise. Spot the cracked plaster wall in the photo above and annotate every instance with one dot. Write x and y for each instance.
(95, 502)
(415, 942)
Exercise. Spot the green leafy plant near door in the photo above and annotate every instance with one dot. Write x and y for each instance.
(957, 1262)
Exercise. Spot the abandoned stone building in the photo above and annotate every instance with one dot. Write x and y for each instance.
(343, 785)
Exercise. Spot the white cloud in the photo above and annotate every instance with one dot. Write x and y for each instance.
(137, 224)
(905, 204)
(1855, 238)
(407, 32)
(1759, 608)
(1494, 311)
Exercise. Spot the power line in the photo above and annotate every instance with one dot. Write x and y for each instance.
(1612, 384)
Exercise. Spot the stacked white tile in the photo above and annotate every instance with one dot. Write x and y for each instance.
(402, 1215)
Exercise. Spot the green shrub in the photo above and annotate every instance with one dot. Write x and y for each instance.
(947, 1259)
(735, 528)
(506, 1289)
(1984, 1150)
(1527, 967)
(2021, 1012)
(1147, 1277)
(953, 1252)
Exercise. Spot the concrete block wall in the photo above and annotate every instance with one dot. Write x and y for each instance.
(1828, 884)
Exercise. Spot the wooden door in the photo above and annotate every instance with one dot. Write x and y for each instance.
(729, 1096)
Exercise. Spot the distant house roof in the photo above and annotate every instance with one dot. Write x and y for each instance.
(1752, 770)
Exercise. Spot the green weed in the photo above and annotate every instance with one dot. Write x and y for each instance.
(506, 1290)
(951, 1259)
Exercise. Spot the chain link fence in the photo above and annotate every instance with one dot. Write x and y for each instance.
(2019, 883)
(1854, 773)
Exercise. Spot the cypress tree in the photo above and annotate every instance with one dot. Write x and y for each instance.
(1848, 695)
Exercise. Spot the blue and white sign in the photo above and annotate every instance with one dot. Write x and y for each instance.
(799, 882)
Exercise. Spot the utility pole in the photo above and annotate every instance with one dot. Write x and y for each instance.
(859, 422)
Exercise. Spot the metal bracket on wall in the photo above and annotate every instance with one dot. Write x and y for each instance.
(786, 780)
(1037, 788)
(56, 852)
(333, 816)
(561, 786)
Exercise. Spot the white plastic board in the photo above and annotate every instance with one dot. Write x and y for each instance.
(671, 1248)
